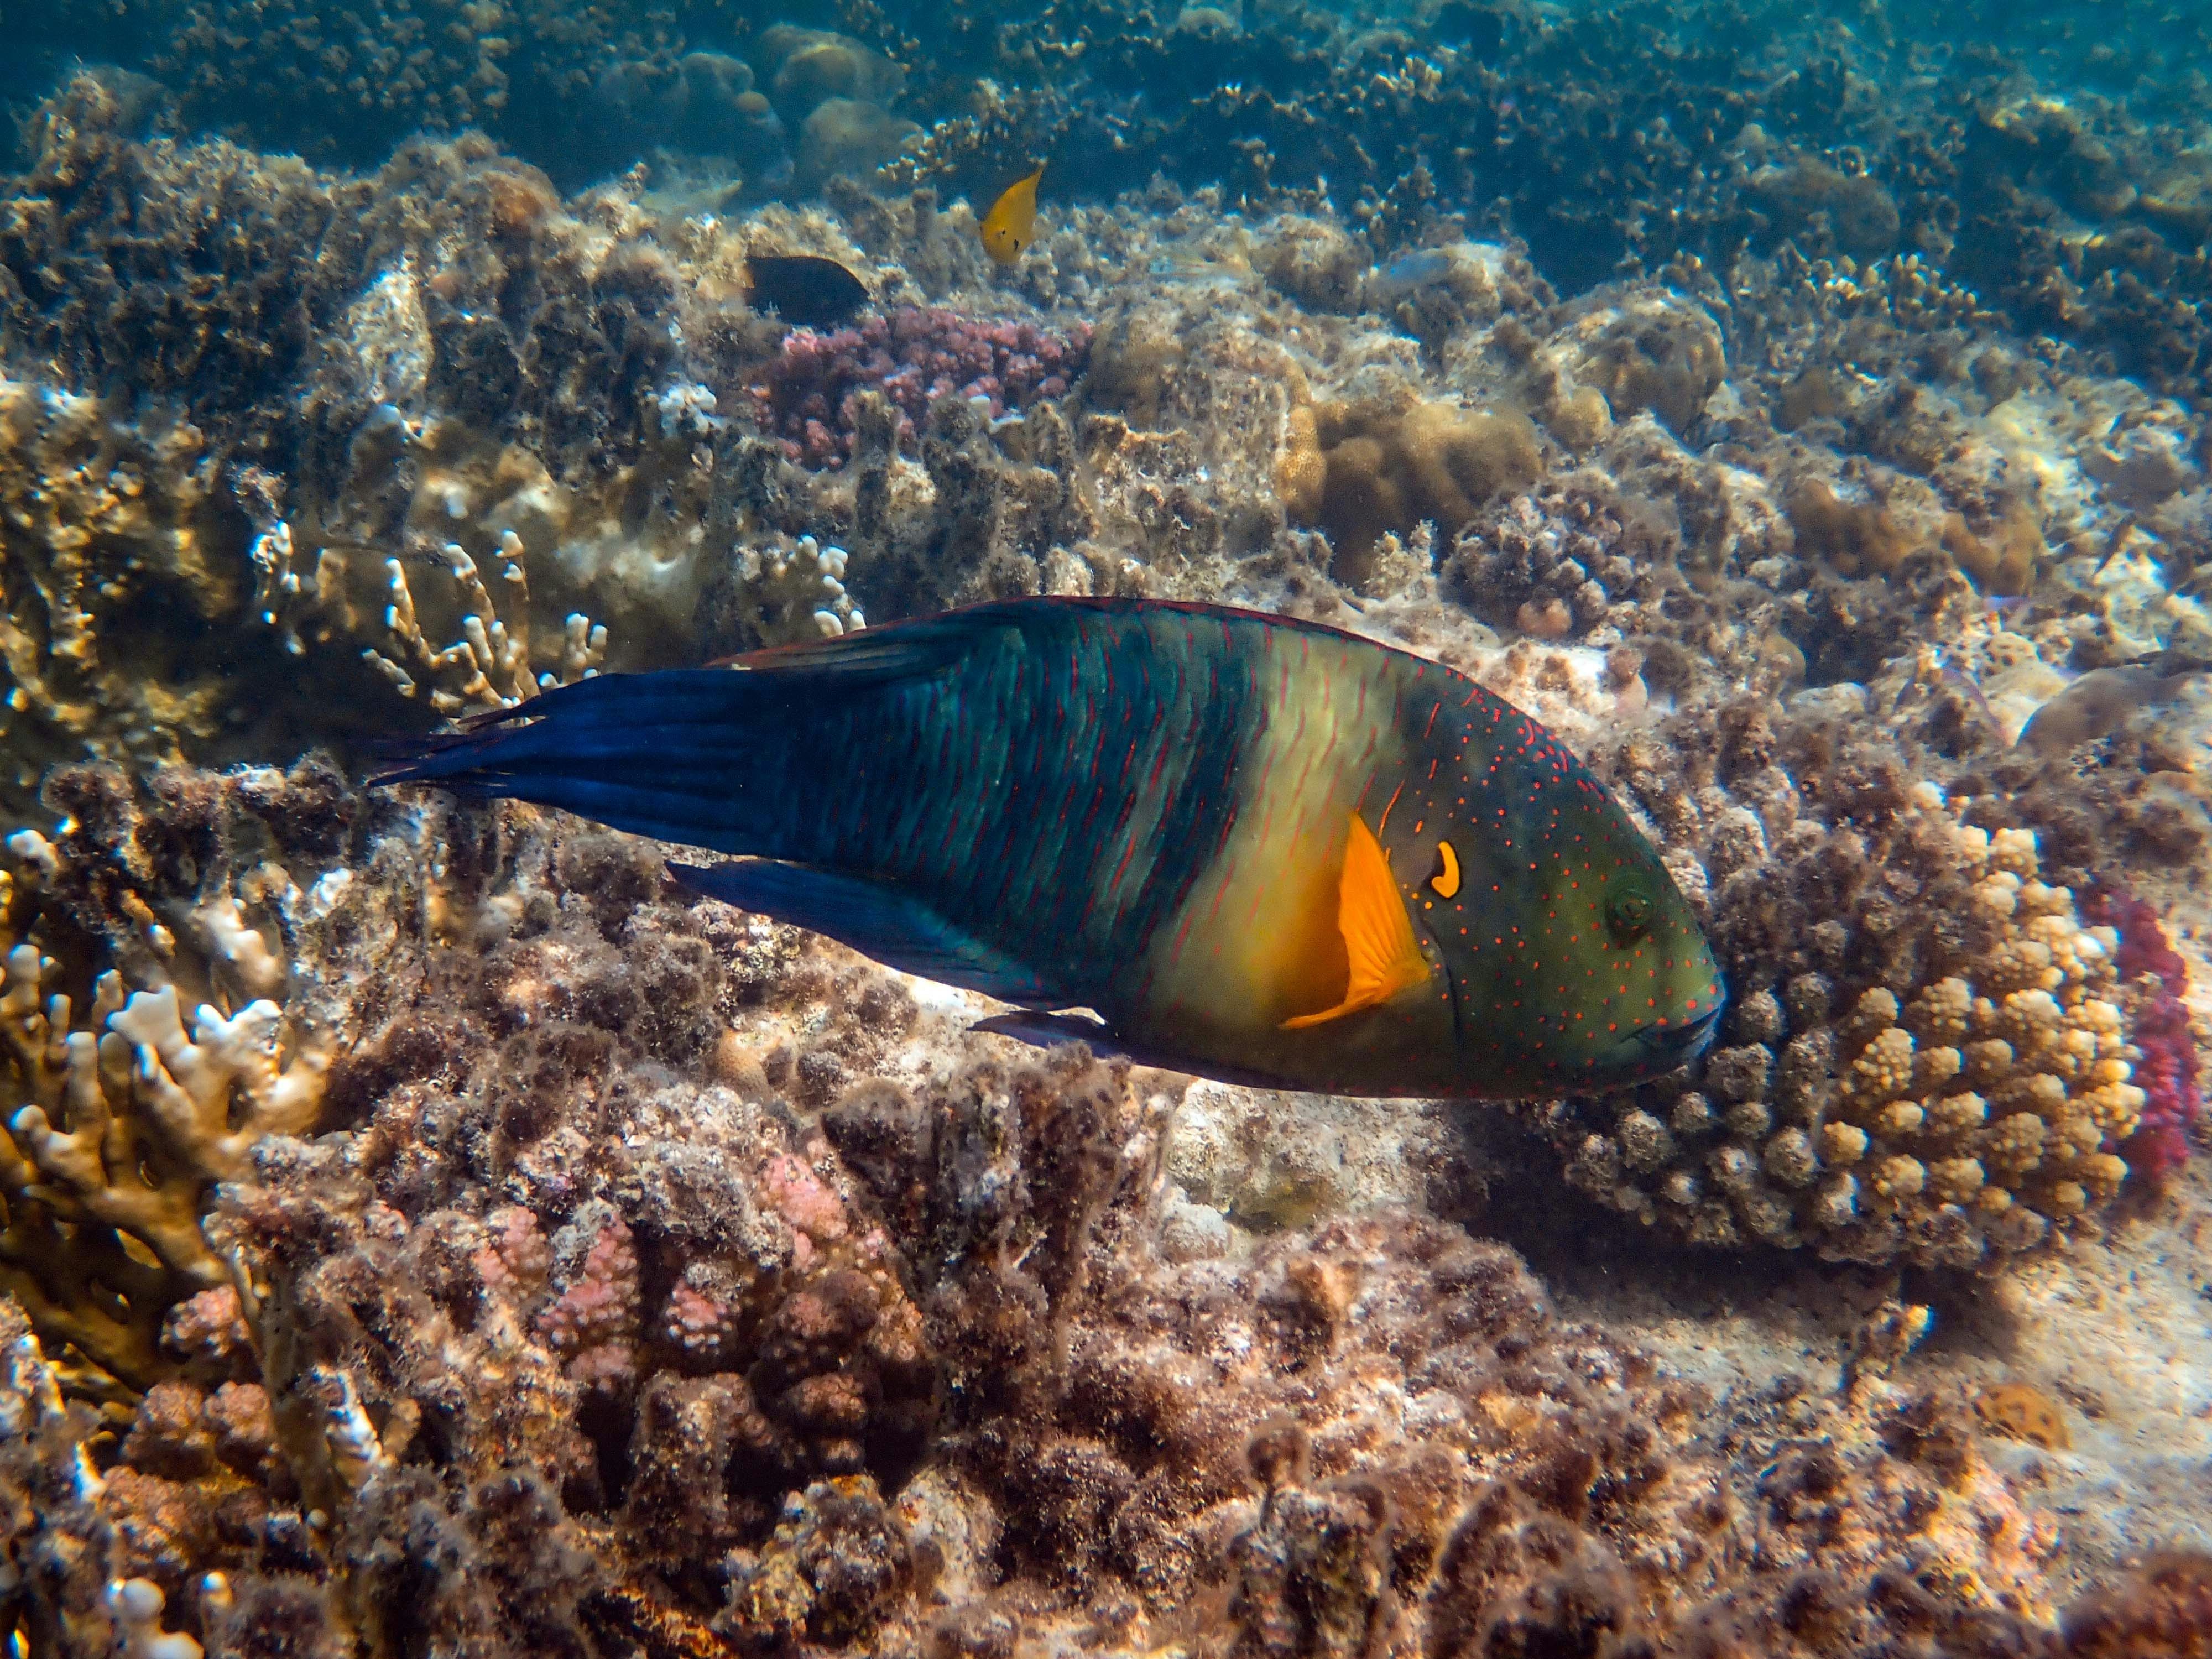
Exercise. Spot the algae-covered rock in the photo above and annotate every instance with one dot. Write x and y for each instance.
(1360, 470)
(847, 135)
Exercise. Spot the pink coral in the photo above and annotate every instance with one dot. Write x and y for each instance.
(699, 1318)
(2166, 1072)
(595, 1321)
(806, 396)
(209, 1327)
(517, 1257)
(802, 1199)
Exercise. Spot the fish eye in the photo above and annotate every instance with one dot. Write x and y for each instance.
(1628, 912)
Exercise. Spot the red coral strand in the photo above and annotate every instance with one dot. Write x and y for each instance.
(2167, 1071)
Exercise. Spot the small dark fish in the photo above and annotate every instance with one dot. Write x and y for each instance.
(805, 289)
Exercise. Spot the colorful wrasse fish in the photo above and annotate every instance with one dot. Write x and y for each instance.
(1010, 225)
(1260, 850)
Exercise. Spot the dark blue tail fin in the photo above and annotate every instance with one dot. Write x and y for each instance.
(692, 756)
(710, 757)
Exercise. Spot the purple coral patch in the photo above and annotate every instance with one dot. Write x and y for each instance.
(806, 395)
(2167, 1071)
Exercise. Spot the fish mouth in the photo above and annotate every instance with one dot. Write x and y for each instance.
(1689, 1041)
(1665, 1046)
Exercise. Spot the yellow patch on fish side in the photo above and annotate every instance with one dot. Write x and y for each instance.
(1010, 225)
(2019, 1413)
(1446, 879)
(1378, 934)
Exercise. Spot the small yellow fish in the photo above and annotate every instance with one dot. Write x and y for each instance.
(1010, 225)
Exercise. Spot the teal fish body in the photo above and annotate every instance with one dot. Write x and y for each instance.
(1228, 843)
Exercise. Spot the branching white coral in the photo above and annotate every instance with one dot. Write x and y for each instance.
(490, 665)
(798, 593)
(275, 582)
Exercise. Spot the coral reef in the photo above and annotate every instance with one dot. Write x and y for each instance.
(692, 1280)
(111, 532)
(808, 395)
(133, 1097)
(428, 1230)
(490, 666)
(1374, 1425)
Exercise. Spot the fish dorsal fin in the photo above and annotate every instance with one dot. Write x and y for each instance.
(1378, 934)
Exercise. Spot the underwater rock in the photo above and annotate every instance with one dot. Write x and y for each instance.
(1651, 351)
(806, 69)
(1315, 263)
(1859, 214)
(847, 135)
(702, 105)
(1867, 523)
(2097, 704)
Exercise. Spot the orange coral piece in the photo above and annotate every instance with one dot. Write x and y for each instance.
(2019, 1413)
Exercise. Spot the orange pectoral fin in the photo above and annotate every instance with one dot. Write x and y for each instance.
(1378, 934)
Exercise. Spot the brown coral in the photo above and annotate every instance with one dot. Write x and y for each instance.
(127, 1117)
(1363, 469)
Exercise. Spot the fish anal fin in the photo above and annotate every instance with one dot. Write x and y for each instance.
(1378, 933)
(876, 919)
